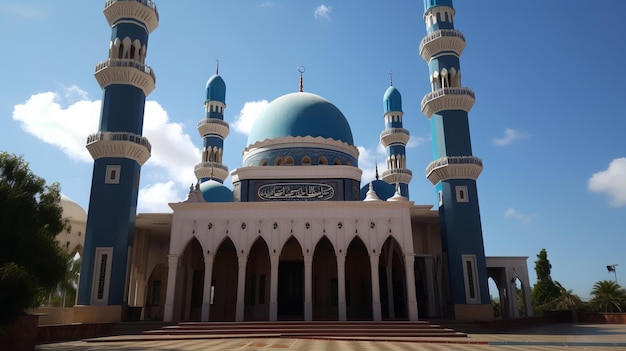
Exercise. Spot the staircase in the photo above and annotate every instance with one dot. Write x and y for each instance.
(352, 330)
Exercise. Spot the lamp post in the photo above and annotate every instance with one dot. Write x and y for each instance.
(611, 268)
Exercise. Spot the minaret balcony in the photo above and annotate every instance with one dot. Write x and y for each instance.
(143, 10)
(394, 136)
(398, 175)
(213, 170)
(126, 71)
(442, 40)
(213, 126)
(454, 167)
(448, 99)
(119, 145)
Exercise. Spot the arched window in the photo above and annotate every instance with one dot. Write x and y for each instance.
(278, 161)
(336, 162)
(306, 161)
(288, 161)
(322, 161)
(263, 163)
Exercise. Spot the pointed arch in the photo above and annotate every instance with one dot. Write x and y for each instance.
(322, 161)
(192, 280)
(291, 280)
(358, 284)
(224, 282)
(306, 161)
(392, 280)
(337, 162)
(257, 291)
(324, 272)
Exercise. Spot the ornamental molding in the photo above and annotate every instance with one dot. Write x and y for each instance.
(213, 126)
(400, 175)
(142, 10)
(296, 172)
(119, 149)
(394, 136)
(213, 170)
(448, 99)
(300, 142)
(126, 72)
(442, 40)
(454, 167)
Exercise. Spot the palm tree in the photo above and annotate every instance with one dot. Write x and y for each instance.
(608, 296)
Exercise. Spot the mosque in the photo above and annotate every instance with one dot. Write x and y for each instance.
(297, 236)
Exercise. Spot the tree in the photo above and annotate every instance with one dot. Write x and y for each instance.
(608, 296)
(31, 261)
(545, 292)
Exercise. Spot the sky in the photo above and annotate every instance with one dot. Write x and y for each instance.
(548, 121)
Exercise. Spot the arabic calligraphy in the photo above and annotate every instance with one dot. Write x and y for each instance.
(296, 191)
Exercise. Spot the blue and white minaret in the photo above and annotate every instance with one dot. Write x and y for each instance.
(394, 138)
(119, 150)
(454, 170)
(213, 130)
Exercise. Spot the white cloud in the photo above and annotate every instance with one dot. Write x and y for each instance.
(155, 197)
(524, 218)
(267, 4)
(611, 182)
(173, 153)
(416, 141)
(66, 128)
(510, 136)
(368, 159)
(23, 11)
(248, 114)
(322, 12)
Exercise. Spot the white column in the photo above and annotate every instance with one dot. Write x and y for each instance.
(172, 269)
(376, 313)
(241, 287)
(341, 286)
(206, 293)
(308, 287)
(409, 260)
(274, 260)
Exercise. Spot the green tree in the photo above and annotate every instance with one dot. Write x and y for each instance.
(608, 296)
(31, 261)
(545, 292)
(65, 293)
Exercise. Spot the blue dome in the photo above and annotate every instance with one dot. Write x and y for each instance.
(216, 89)
(392, 100)
(383, 189)
(434, 3)
(213, 191)
(299, 115)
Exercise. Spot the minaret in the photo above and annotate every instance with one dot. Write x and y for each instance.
(454, 170)
(119, 150)
(394, 138)
(213, 130)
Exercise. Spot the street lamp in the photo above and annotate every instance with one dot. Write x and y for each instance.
(611, 268)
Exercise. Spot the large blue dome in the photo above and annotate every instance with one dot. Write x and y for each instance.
(383, 189)
(216, 89)
(213, 191)
(299, 115)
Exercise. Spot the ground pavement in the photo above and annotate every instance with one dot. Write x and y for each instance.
(572, 337)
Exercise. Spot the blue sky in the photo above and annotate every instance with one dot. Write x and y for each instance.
(548, 120)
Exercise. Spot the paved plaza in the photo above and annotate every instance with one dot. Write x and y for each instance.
(553, 337)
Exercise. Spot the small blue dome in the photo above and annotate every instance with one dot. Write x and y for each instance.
(434, 3)
(216, 89)
(213, 191)
(383, 189)
(299, 115)
(392, 100)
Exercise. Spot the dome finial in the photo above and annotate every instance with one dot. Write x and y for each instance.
(217, 66)
(390, 79)
(301, 69)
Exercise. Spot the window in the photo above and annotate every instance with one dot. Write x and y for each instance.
(472, 291)
(440, 196)
(112, 174)
(101, 276)
(461, 194)
(212, 293)
(322, 161)
(306, 161)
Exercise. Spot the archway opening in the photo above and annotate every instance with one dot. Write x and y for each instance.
(291, 281)
(325, 292)
(392, 281)
(257, 282)
(192, 283)
(358, 283)
(224, 285)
